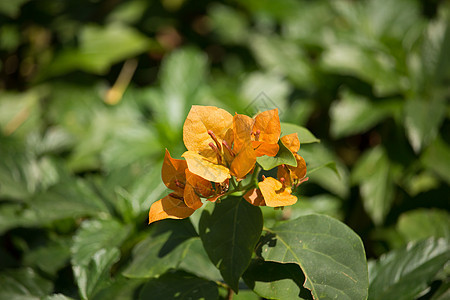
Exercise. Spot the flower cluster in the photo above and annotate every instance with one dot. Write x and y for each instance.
(222, 150)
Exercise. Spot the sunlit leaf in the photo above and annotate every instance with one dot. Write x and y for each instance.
(100, 47)
(19, 284)
(284, 156)
(424, 223)
(329, 253)
(405, 273)
(373, 172)
(94, 274)
(95, 235)
(437, 158)
(304, 135)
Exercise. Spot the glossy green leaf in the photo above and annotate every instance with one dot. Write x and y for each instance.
(229, 231)
(68, 199)
(329, 253)
(273, 280)
(353, 114)
(373, 172)
(304, 135)
(100, 47)
(121, 289)
(95, 235)
(164, 248)
(423, 119)
(284, 156)
(182, 76)
(197, 262)
(424, 223)
(404, 273)
(325, 169)
(49, 258)
(437, 158)
(21, 284)
(94, 274)
(283, 57)
(16, 215)
(57, 297)
(179, 285)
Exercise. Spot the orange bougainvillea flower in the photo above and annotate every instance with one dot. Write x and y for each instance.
(293, 176)
(264, 132)
(187, 189)
(271, 192)
(209, 137)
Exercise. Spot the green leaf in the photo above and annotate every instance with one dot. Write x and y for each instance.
(94, 274)
(100, 47)
(284, 156)
(121, 289)
(57, 297)
(325, 169)
(330, 254)
(163, 249)
(404, 273)
(282, 57)
(424, 223)
(304, 135)
(273, 280)
(229, 231)
(437, 158)
(11, 8)
(15, 215)
(373, 172)
(95, 235)
(197, 262)
(68, 199)
(179, 285)
(49, 258)
(423, 119)
(22, 284)
(182, 76)
(353, 114)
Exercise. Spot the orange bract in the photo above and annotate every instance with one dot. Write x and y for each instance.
(216, 144)
(187, 189)
(293, 176)
(271, 193)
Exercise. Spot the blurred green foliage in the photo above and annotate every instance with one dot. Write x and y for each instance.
(91, 92)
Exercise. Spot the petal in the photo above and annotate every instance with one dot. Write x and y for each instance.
(298, 172)
(201, 119)
(268, 122)
(255, 197)
(202, 167)
(274, 193)
(292, 142)
(169, 208)
(242, 128)
(191, 198)
(263, 148)
(172, 170)
(284, 172)
(244, 162)
(199, 184)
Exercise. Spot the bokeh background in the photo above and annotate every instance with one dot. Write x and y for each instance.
(92, 92)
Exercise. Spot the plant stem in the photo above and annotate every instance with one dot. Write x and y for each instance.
(230, 294)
